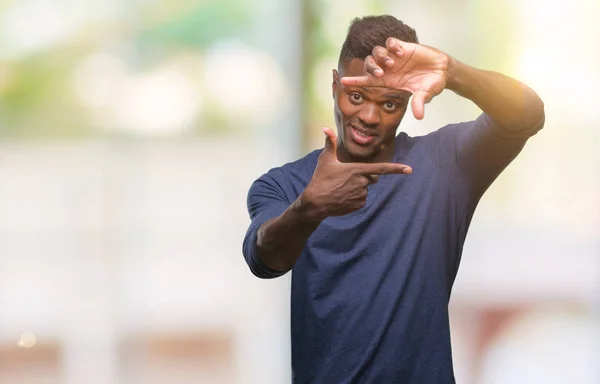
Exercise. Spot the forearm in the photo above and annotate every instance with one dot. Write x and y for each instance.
(507, 101)
(280, 241)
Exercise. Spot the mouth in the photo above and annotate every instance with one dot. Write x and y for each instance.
(361, 136)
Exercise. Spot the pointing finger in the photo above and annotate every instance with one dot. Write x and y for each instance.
(356, 81)
(363, 81)
(382, 168)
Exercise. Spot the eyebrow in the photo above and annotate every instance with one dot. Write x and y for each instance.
(402, 96)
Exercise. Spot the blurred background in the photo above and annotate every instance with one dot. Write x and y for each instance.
(130, 132)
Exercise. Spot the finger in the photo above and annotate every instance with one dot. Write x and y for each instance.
(382, 168)
(382, 57)
(418, 102)
(394, 46)
(330, 148)
(372, 67)
(363, 81)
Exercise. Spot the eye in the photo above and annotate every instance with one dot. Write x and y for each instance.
(356, 98)
(390, 106)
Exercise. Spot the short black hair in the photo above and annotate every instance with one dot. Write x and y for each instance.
(367, 32)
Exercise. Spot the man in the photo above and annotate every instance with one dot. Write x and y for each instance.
(373, 225)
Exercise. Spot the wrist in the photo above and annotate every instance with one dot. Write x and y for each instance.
(307, 210)
(454, 82)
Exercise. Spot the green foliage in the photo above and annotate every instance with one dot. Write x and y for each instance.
(37, 100)
(201, 26)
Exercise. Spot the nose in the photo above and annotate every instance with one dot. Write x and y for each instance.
(369, 114)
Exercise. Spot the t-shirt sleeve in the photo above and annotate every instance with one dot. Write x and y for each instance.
(266, 200)
(476, 152)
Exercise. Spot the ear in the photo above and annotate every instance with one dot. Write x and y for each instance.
(336, 81)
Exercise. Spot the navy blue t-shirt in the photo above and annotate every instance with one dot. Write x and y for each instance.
(370, 291)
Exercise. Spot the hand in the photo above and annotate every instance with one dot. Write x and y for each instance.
(337, 188)
(415, 68)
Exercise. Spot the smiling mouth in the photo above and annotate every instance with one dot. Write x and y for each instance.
(360, 136)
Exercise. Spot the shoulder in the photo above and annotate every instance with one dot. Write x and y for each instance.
(430, 138)
(305, 164)
(429, 142)
(300, 167)
(447, 135)
(288, 179)
(438, 147)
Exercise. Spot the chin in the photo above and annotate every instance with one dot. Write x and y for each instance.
(360, 152)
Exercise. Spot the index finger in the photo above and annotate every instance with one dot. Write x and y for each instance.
(363, 81)
(382, 168)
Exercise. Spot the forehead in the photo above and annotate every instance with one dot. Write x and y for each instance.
(356, 67)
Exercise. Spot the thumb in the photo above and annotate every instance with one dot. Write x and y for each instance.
(419, 100)
(330, 143)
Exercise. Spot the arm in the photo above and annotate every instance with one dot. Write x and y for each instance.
(510, 103)
(475, 151)
(273, 226)
(279, 231)
(280, 241)
(426, 72)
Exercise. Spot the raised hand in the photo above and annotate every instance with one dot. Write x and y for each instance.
(338, 188)
(415, 68)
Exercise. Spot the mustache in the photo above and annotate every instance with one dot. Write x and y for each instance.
(362, 128)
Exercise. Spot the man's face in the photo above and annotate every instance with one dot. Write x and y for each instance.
(366, 118)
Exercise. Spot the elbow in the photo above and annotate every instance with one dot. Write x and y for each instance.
(261, 270)
(537, 118)
(542, 113)
(535, 115)
(266, 276)
(542, 119)
(530, 121)
(256, 265)
(536, 104)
